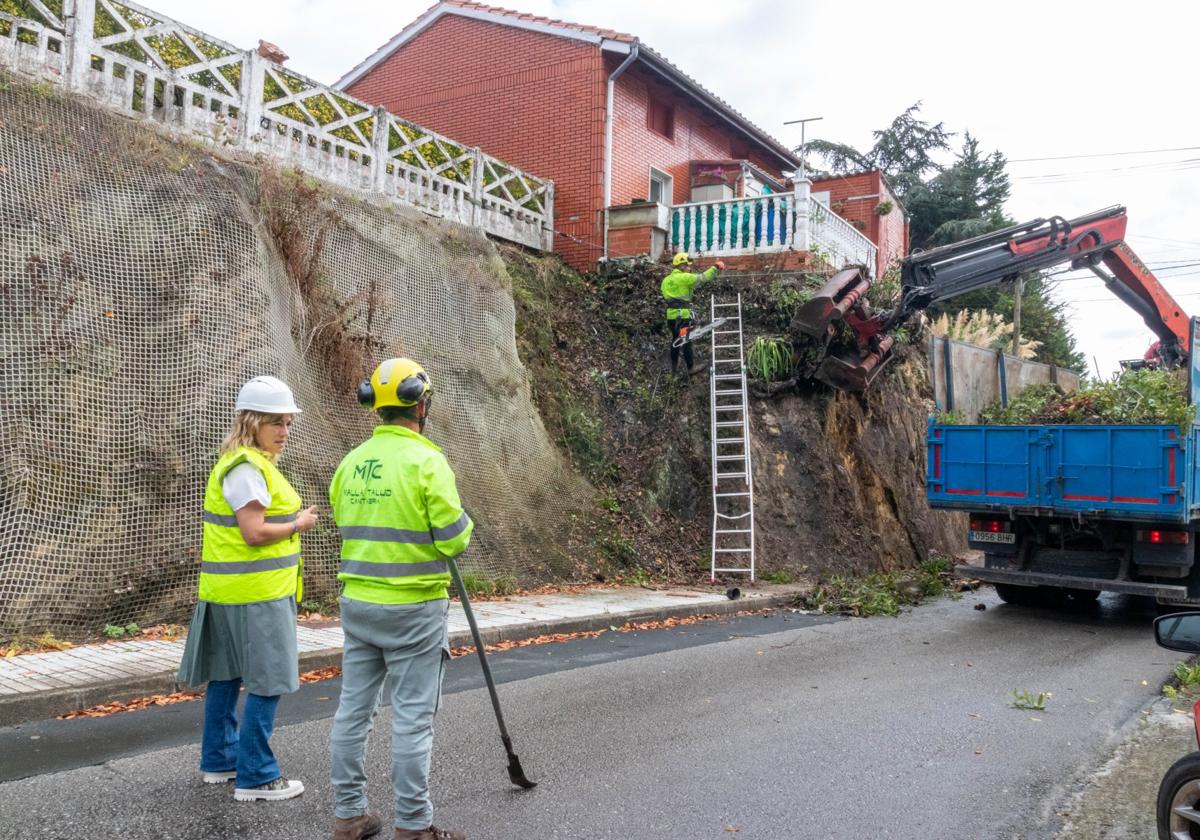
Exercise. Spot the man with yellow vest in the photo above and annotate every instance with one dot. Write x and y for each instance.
(397, 508)
(677, 288)
(243, 632)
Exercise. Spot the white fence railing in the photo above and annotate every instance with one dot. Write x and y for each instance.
(144, 64)
(836, 240)
(769, 224)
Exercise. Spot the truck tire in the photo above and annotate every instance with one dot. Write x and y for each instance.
(1179, 789)
(1023, 596)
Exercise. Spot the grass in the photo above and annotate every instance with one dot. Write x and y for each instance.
(480, 586)
(882, 593)
(32, 644)
(619, 548)
(777, 576)
(1028, 701)
(1188, 676)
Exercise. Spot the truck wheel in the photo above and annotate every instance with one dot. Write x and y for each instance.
(1025, 596)
(1179, 798)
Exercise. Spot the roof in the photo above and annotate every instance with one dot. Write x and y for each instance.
(606, 39)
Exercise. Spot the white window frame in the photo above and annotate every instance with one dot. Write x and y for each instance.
(668, 186)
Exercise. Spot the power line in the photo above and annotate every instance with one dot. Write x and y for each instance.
(1160, 167)
(1118, 300)
(1106, 154)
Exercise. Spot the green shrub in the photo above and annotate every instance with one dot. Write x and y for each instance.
(770, 358)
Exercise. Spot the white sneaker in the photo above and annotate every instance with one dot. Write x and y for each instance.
(281, 788)
(219, 778)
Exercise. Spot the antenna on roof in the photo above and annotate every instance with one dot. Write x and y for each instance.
(803, 125)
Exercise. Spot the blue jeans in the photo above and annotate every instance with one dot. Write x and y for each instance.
(409, 643)
(224, 747)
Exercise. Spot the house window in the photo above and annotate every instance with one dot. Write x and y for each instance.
(661, 187)
(660, 118)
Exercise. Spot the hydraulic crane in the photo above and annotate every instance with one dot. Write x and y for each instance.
(857, 340)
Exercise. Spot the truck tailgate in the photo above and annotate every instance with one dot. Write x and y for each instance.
(1127, 472)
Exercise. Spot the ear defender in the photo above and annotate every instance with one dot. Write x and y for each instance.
(412, 389)
(366, 394)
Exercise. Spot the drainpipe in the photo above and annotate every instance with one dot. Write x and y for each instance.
(608, 132)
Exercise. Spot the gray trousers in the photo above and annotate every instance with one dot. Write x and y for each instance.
(410, 644)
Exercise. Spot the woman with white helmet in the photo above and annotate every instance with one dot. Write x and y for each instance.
(244, 629)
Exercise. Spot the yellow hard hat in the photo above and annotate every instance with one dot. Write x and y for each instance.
(681, 258)
(396, 382)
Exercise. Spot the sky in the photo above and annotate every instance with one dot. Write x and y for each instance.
(1115, 81)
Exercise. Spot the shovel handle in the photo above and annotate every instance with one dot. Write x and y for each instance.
(487, 672)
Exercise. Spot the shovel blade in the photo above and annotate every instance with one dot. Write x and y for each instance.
(516, 775)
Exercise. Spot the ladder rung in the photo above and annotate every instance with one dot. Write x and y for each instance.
(727, 495)
(727, 332)
(725, 423)
(731, 475)
(732, 531)
(731, 551)
(728, 376)
(728, 392)
(724, 305)
(727, 346)
(727, 361)
(734, 570)
(731, 517)
(731, 457)
(738, 407)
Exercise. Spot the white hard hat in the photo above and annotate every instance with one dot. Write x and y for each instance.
(267, 395)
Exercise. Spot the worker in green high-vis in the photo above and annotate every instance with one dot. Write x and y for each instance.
(398, 511)
(678, 288)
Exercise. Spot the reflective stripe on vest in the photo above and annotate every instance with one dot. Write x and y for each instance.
(232, 571)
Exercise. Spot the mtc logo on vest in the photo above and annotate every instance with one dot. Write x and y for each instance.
(369, 469)
(358, 490)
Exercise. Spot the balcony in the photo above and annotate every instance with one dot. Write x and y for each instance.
(765, 225)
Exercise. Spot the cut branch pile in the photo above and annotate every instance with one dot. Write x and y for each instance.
(1151, 397)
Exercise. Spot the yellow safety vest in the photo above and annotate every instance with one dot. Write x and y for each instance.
(398, 511)
(232, 571)
(677, 288)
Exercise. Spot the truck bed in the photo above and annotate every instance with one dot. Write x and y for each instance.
(1145, 473)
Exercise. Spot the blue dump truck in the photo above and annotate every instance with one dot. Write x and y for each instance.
(1065, 511)
(1074, 511)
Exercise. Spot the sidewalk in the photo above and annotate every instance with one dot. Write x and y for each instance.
(41, 685)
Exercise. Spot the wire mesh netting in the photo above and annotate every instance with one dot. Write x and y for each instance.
(142, 281)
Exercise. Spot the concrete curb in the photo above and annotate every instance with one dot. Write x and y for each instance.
(41, 705)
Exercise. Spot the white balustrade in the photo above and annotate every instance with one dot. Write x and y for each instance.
(837, 241)
(147, 65)
(769, 224)
(737, 226)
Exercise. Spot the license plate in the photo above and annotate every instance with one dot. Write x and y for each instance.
(993, 537)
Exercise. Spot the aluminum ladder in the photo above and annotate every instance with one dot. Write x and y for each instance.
(732, 476)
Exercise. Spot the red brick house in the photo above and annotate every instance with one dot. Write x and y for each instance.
(866, 201)
(609, 120)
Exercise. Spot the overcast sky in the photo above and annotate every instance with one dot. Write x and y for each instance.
(1034, 80)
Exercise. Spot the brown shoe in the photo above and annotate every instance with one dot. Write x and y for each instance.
(356, 828)
(431, 833)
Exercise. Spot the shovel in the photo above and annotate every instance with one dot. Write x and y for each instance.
(515, 773)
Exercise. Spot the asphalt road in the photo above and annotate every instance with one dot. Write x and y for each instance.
(880, 728)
